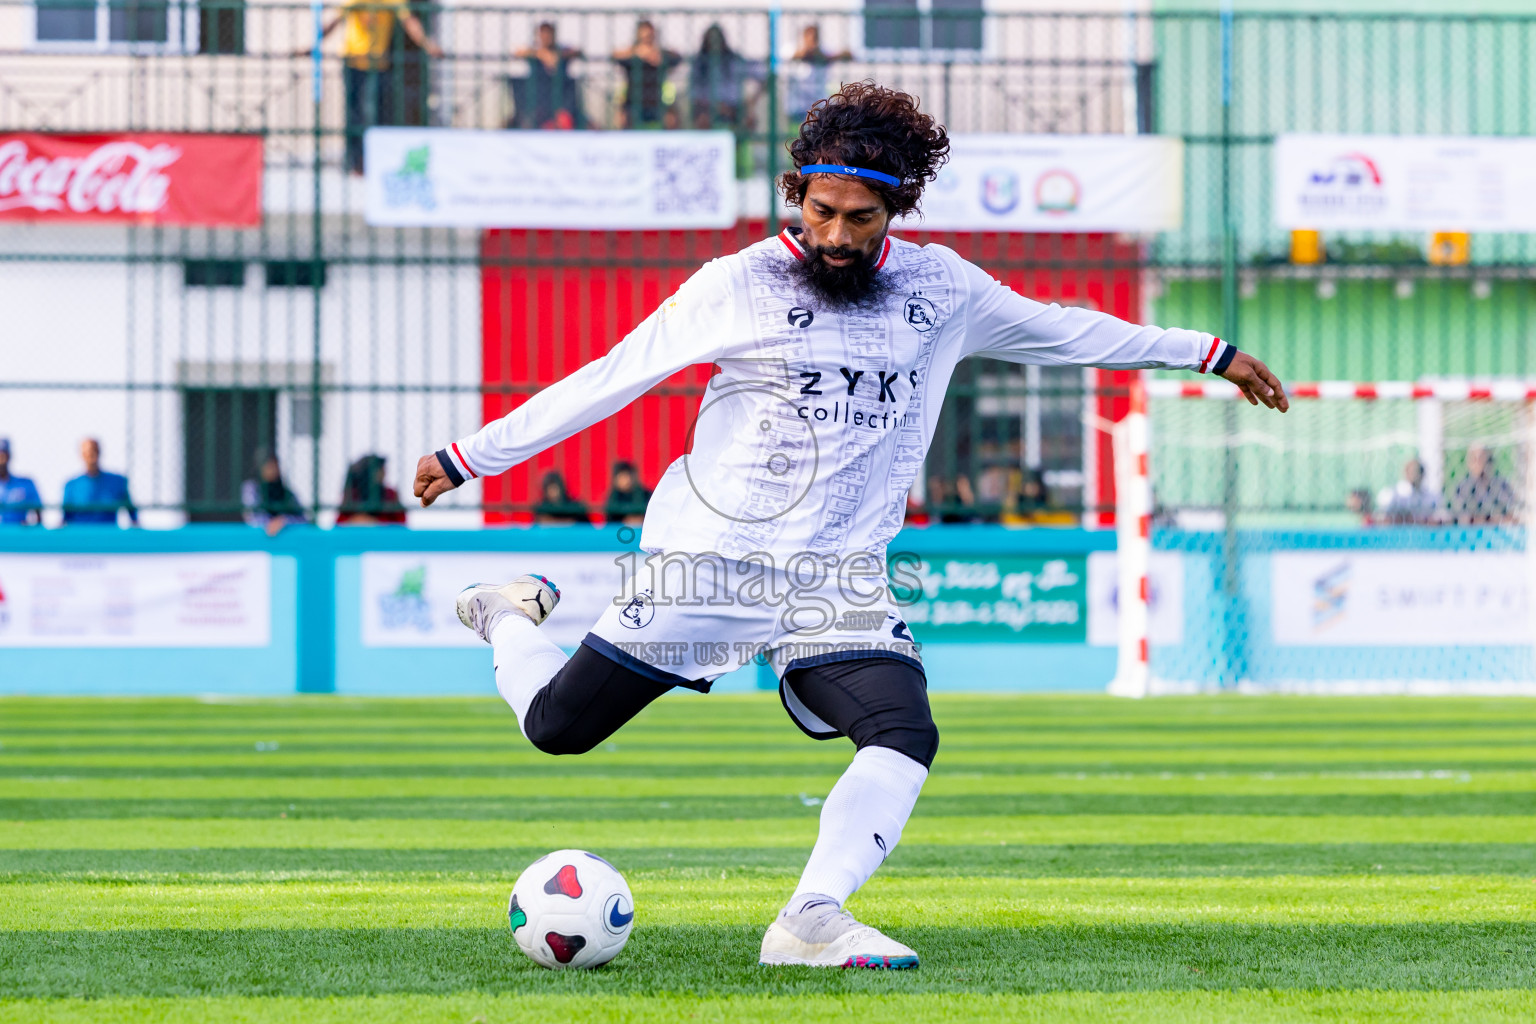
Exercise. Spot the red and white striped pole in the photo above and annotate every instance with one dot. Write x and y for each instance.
(1133, 530)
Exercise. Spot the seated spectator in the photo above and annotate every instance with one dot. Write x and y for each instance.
(365, 499)
(19, 502)
(648, 100)
(952, 502)
(626, 497)
(808, 84)
(556, 507)
(916, 511)
(1410, 500)
(1029, 502)
(1359, 502)
(717, 82)
(1031, 496)
(94, 497)
(992, 484)
(268, 502)
(549, 97)
(1482, 496)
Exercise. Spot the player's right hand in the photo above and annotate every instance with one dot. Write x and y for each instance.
(431, 481)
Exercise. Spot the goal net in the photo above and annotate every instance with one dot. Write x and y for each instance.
(1371, 540)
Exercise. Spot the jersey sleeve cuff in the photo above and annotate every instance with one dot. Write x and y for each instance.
(1224, 360)
(1211, 361)
(455, 465)
(449, 469)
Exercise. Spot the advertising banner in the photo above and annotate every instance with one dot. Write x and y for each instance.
(1165, 602)
(219, 599)
(1405, 182)
(1006, 599)
(148, 177)
(996, 182)
(442, 177)
(1399, 598)
(408, 597)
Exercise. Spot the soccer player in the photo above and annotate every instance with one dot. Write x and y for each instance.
(835, 343)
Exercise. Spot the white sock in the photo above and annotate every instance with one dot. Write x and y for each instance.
(525, 661)
(868, 807)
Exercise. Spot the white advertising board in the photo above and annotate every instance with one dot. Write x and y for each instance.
(997, 182)
(444, 177)
(408, 597)
(1405, 182)
(219, 599)
(1399, 598)
(1165, 602)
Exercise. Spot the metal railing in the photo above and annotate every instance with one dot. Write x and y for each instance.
(328, 339)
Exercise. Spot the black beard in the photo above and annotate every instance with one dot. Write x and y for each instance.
(838, 288)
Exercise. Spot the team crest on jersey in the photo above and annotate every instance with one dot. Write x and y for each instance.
(639, 612)
(920, 314)
(801, 317)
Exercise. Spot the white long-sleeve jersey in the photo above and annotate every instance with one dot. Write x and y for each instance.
(817, 422)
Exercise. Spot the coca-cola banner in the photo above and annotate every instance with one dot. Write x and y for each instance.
(155, 177)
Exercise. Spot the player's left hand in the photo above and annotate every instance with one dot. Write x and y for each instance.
(1257, 384)
(431, 481)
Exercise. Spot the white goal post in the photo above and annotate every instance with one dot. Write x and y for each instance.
(1371, 540)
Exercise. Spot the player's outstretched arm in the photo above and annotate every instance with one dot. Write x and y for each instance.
(1256, 382)
(1003, 324)
(687, 329)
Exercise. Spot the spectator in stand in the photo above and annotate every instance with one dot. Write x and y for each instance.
(19, 501)
(556, 507)
(992, 483)
(917, 510)
(1482, 496)
(648, 100)
(268, 502)
(94, 497)
(717, 83)
(808, 84)
(626, 497)
(952, 502)
(550, 93)
(1029, 502)
(1359, 502)
(365, 499)
(367, 76)
(965, 498)
(1410, 500)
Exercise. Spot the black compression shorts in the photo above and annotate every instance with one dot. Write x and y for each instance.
(880, 702)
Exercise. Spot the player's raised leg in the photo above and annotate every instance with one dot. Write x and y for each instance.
(563, 705)
(882, 705)
(507, 617)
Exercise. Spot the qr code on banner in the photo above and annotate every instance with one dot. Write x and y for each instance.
(685, 179)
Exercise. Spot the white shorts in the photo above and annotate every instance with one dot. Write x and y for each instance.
(689, 619)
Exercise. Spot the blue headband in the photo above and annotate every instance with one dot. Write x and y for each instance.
(857, 172)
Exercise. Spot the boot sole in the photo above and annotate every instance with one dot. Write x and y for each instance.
(879, 963)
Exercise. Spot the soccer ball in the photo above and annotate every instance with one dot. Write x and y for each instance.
(571, 908)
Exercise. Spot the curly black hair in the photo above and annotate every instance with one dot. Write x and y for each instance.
(868, 125)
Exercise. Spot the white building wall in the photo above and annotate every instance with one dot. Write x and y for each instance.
(102, 347)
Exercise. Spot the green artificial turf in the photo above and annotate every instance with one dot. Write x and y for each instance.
(1071, 859)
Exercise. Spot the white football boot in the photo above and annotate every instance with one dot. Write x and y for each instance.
(828, 936)
(481, 604)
